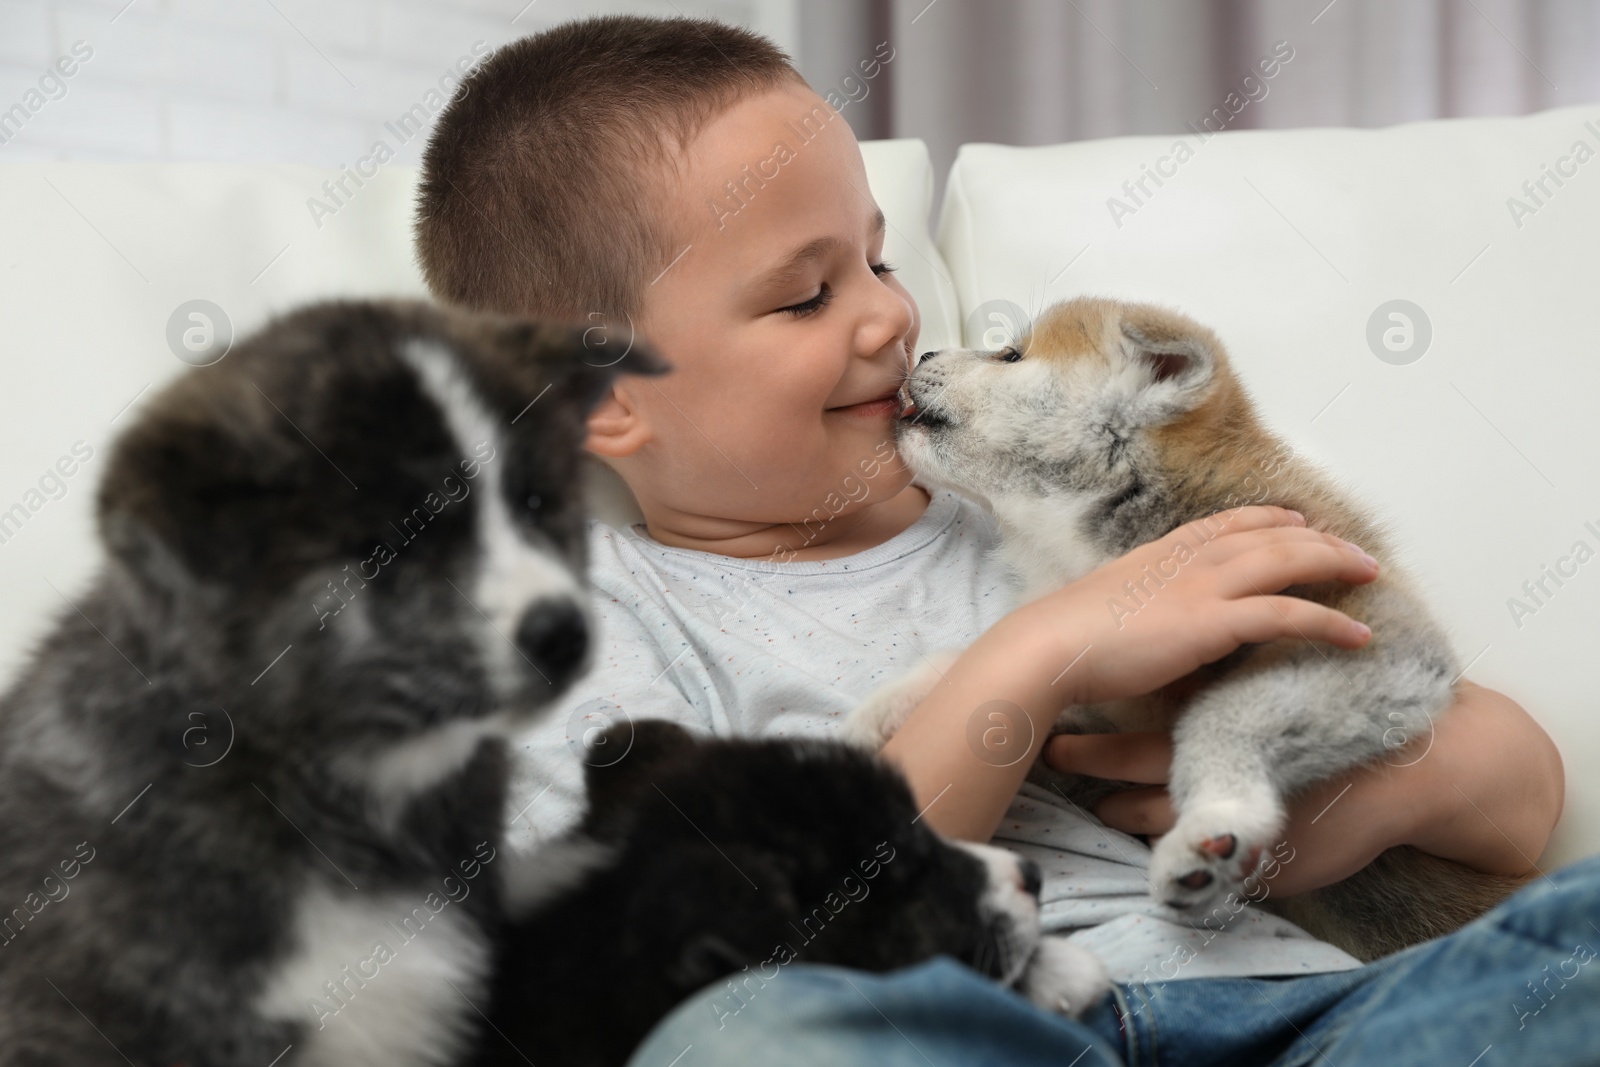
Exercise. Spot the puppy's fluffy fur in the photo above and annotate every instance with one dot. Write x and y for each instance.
(730, 859)
(1108, 426)
(267, 740)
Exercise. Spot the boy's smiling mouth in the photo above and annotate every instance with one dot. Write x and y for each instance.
(885, 404)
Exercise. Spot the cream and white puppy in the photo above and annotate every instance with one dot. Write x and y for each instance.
(1108, 425)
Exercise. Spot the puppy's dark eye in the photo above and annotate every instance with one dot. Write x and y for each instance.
(1010, 355)
(535, 502)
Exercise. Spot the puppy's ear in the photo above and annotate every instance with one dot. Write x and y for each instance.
(1175, 362)
(184, 505)
(705, 958)
(584, 384)
(615, 786)
(1186, 361)
(583, 360)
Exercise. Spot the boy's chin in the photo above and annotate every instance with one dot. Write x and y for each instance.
(883, 472)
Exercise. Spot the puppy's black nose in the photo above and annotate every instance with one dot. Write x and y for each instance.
(927, 356)
(1032, 878)
(554, 636)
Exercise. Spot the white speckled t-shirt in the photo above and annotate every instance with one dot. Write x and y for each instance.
(757, 648)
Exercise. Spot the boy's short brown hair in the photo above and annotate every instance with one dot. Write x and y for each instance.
(540, 188)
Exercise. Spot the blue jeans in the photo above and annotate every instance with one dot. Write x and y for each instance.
(1521, 985)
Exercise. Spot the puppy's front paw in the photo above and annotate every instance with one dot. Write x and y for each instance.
(886, 708)
(1210, 852)
(1064, 978)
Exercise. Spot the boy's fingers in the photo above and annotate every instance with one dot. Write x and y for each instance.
(1129, 757)
(1276, 566)
(1236, 520)
(1267, 618)
(1138, 811)
(1251, 517)
(1231, 544)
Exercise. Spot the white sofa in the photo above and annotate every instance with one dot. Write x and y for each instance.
(1482, 451)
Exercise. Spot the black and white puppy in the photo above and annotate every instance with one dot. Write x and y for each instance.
(252, 782)
(729, 859)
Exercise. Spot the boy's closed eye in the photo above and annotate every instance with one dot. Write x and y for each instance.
(825, 295)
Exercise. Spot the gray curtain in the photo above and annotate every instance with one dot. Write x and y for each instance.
(1046, 71)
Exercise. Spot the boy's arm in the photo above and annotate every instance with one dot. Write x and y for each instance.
(1485, 790)
(967, 746)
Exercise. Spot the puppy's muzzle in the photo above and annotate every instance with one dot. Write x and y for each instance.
(555, 637)
(1032, 878)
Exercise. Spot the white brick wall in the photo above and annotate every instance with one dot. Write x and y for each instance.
(301, 81)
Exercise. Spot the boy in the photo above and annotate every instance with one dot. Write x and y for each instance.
(679, 177)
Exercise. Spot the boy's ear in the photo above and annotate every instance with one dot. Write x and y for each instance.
(616, 427)
(581, 364)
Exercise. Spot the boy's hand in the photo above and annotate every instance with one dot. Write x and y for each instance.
(1485, 790)
(1166, 608)
(1069, 647)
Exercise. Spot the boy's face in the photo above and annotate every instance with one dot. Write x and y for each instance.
(782, 398)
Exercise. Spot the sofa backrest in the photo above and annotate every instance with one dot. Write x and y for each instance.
(1480, 449)
(98, 258)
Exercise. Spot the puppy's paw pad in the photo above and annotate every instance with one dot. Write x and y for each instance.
(1198, 863)
(1064, 978)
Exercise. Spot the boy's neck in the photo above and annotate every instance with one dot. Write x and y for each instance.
(844, 535)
